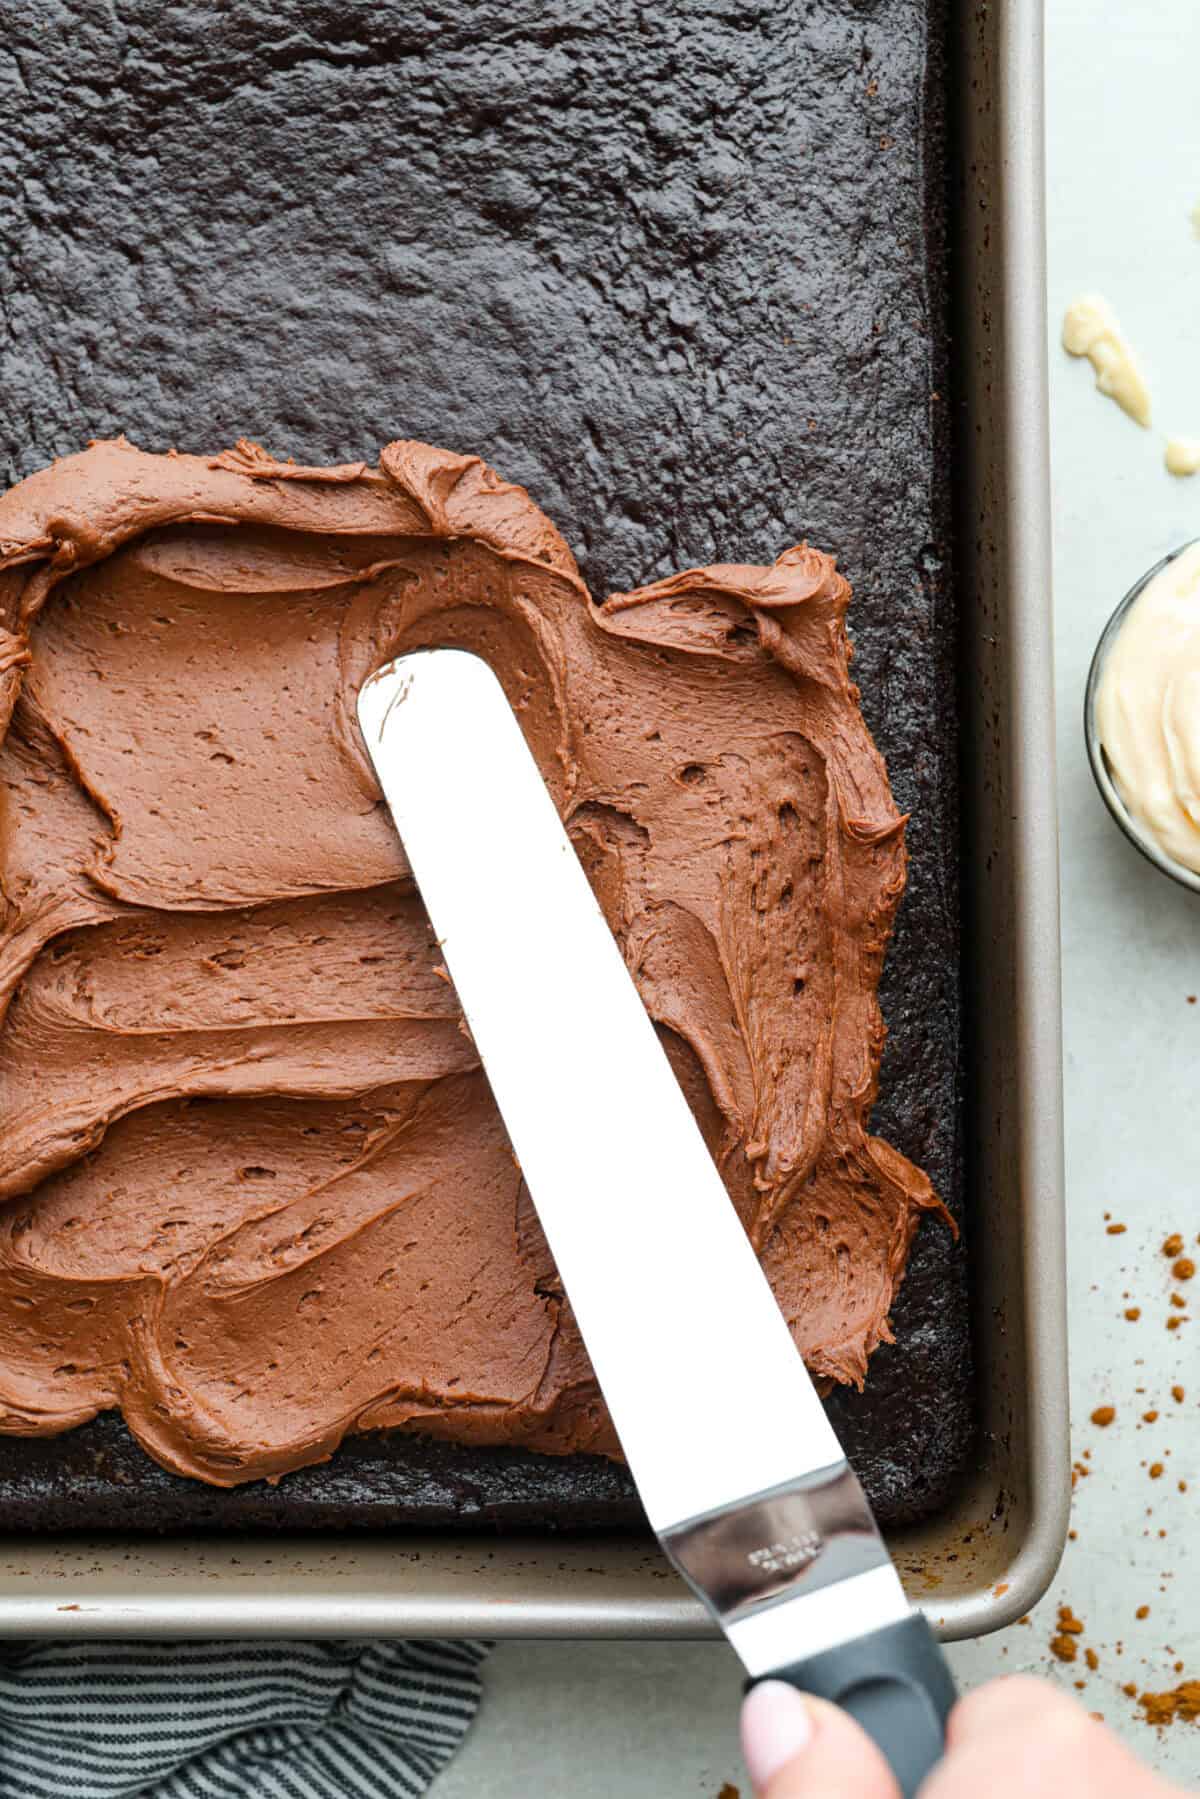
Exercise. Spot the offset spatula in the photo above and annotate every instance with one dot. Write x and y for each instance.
(737, 1466)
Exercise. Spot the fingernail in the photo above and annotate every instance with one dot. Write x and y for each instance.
(776, 1726)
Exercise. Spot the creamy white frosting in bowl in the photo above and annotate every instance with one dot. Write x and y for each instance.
(1142, 715)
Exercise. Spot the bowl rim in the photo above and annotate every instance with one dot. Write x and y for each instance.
(1098, 761)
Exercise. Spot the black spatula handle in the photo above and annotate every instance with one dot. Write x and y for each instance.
(896, 1684)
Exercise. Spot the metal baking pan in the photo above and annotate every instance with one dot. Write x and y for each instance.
(984, 1561)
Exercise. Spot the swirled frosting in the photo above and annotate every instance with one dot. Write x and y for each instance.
(256, 1191)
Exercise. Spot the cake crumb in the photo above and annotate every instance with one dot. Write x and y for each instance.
(1063, 1644)
(1174, 1321)
(1143, 1611)
(1130, 1689)
(1149, 1417)
(1182, 1701)
(1184, 1269)
(1104, 1415)
(1115, 1230)
(1173, 1246)
(729, 1791)
(1092, 1659)
(1156, 1471)
(1133, 1313)
(1178, 1395)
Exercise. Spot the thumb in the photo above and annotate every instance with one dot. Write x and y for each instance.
(801, 1748)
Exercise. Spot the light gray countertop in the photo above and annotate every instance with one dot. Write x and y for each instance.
(658, 1722)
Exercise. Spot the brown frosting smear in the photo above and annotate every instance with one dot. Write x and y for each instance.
(256, 1192)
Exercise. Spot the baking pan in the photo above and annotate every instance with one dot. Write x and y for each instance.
(983, 1560)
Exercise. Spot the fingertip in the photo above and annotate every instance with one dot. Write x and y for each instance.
(798, 1747)
(777, 1726)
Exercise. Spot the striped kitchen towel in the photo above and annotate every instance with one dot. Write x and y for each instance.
(259, 1720)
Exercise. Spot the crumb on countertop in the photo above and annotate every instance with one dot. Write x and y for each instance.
(1182, 1701)
(1063, 1644)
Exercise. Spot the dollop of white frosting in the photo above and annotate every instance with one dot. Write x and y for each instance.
(1090, 329)
(1148, 709)
(1182, 455)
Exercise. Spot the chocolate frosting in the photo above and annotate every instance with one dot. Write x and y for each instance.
(257, 1192)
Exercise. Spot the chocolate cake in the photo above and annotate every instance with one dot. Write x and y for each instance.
(699, 321)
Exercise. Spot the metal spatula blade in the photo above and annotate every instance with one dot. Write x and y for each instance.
(739, 1470)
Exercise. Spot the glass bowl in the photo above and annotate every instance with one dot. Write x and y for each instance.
(1109, 791)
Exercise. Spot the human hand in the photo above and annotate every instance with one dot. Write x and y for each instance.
(1012, 1736)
